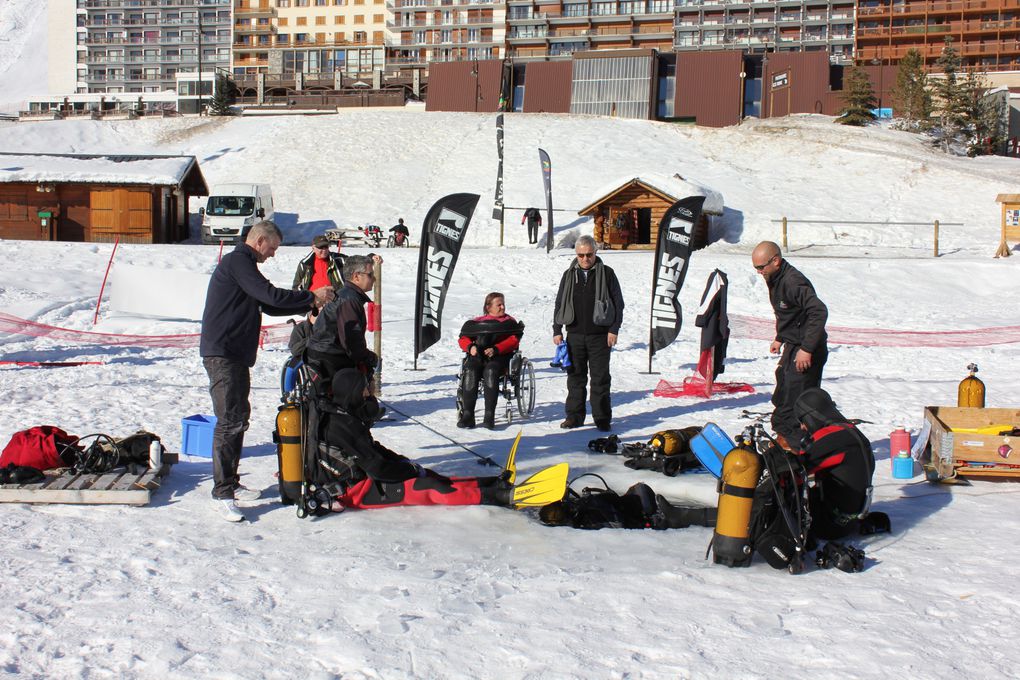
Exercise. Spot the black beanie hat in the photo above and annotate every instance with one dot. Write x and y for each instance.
(815, 409)
(348, 389)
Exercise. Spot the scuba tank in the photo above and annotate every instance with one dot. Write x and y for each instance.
(731, 543)
(972, 390)
(288, 453)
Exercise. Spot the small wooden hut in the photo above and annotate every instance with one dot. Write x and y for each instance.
(71, 197)
(628, 212)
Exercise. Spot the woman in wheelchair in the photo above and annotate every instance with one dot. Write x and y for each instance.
(489, 341)
(365, 474)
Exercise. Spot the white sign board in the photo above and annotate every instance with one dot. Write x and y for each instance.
(161, 293)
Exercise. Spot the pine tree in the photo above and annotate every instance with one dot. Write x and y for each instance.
(858, 99)
(911, 98)
(952, 102)
(987, 116)
(224, 95)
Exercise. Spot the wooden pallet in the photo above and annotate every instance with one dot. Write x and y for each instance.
(118, 487)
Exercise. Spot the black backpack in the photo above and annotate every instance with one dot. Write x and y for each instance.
(779, 514)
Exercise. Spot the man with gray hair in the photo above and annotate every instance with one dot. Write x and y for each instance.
(589, 303)
(338, 336)
(238, 295)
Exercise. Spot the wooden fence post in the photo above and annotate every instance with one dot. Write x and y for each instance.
(936, 238)
(786, 246)
(377, 335)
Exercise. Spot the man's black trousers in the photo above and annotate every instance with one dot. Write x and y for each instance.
(589, 354)
(789, 385)
(229, 386)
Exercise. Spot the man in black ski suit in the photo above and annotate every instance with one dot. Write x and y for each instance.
(800, 336)
(534, 219)
(840, 458)
(589, 303)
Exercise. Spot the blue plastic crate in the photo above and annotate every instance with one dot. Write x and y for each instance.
(197, 435)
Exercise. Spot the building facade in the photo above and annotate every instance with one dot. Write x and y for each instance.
(141, 45)
(309, 37)
(776, 25)
(539, 29)
(446, 30)
(986, 32)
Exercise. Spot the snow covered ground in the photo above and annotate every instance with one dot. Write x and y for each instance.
(170, 590)
(22, 32)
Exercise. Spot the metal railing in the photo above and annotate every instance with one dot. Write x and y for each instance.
(935, 224)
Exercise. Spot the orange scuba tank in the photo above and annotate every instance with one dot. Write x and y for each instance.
(288, 453)
(731, 544)
(972, 390)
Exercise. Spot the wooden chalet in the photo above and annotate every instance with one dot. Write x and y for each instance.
(628, 214)
(72, 197)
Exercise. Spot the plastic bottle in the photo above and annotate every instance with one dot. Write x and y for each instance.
(155, 455)
(972, 390)
(899, 445)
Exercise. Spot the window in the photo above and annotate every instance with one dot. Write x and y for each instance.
(378, 18)
(320, 21)
(283, 21)
(302, 21)
(338, 20)
(474, 34)
(359, 18)
(360, 37)
(283, 3)
(575, 9)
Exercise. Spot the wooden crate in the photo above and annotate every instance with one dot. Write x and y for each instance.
(118, 487)
(952, 452)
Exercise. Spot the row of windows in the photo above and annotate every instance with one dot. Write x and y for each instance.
(337, 20)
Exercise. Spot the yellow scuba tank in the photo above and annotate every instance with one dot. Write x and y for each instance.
(972, 390)
(731, 544)
(288, 453)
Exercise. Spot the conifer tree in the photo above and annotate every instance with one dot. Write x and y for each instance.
(911, 98)
(224, 94)
(987, 117)
(952, 102)
(858, 99)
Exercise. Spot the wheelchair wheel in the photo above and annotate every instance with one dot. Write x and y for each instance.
(390, 242)
(526, 389)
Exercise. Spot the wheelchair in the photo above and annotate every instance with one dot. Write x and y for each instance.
(516, 385)
(391, 242)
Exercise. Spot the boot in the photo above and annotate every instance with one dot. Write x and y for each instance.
(496, 491)
(671, 516)
(491, 387)
(466, 421)
(468, 397)
(489, 422)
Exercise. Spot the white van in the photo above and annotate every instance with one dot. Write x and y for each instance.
(232, 208)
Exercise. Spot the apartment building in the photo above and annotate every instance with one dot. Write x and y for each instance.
(541, 29)
(767, 25)
(309, 36)
(125, 46)
(986, 32)
(445, 30)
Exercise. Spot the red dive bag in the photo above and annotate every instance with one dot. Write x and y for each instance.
(37, 447)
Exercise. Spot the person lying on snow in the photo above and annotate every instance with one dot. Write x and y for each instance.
(377, 477)
(639, 507)
(840, 458)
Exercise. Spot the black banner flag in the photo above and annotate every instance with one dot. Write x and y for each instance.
(497, 204)
(672, 255)
(547, 182)
(441, 238)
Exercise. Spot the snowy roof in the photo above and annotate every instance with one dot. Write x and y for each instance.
(674, 186)
(104, 169)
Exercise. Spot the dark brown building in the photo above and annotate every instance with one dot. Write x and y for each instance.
(65, 197)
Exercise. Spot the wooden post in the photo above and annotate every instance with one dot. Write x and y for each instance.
(1003, 250)
(936, 238)
(377, 334)
(786, 246)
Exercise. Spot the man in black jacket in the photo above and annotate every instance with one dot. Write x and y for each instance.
(338, 335)
(800, 336)
(238, 295)
(589, 303)
(534, 219)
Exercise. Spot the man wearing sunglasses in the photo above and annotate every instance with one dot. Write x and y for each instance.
(800, 336)
(589, 303)
(338, 335)
(320, 267)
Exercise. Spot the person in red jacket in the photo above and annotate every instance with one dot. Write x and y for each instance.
(489, 341)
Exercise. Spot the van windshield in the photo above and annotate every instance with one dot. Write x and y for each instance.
(230, 205)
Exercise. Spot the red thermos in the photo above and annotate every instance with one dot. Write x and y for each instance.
(899, 443)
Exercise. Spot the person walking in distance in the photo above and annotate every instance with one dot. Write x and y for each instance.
(534, 219)
(589, 303)
(238, 295)
(800, 338)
